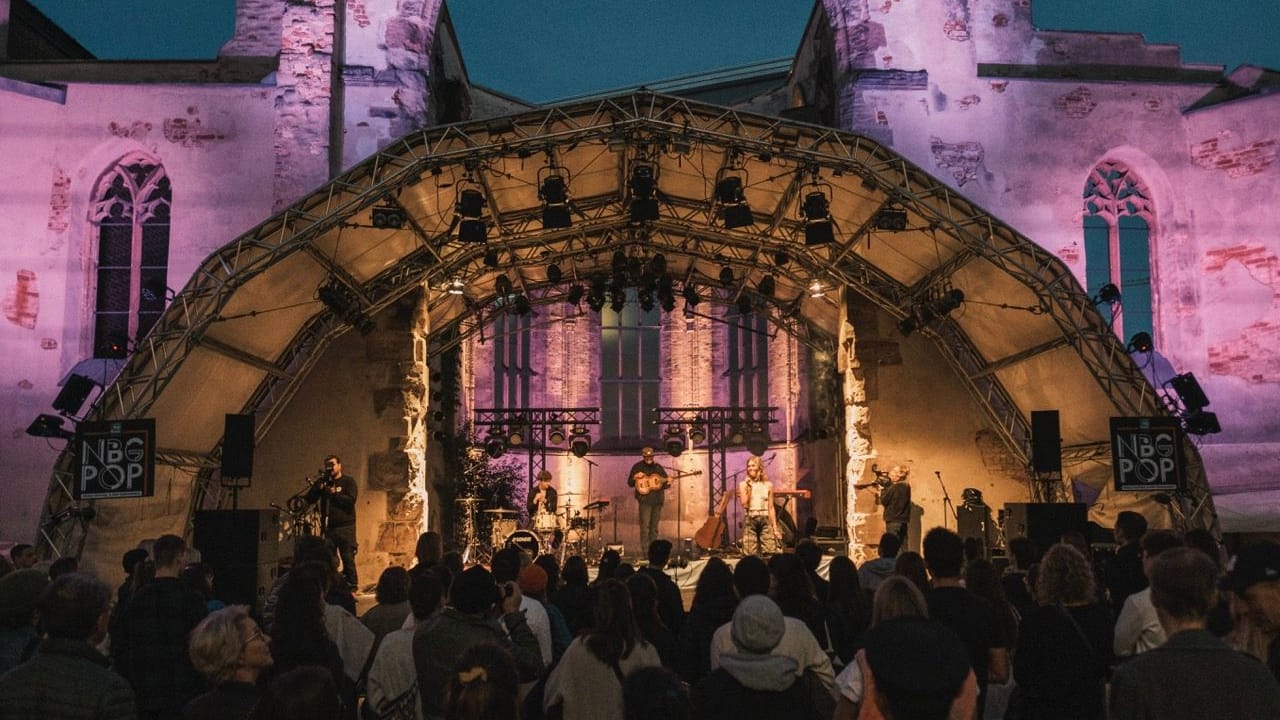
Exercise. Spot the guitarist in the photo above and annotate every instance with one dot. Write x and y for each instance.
(650, 482)
(760, 528)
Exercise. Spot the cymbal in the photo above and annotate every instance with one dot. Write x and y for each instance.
(597, 505)
(569, 494)
(467, 499)
(501, 511)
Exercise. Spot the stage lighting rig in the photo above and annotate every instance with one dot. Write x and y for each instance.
(470, 205)
(49, 426)
(643, 189)
(388, 217)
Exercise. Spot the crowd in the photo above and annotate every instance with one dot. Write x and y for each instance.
(1165, 628)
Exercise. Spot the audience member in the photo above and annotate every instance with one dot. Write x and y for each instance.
(917, 669)
(1219, 622)
(810, 556)
(199, 576)
(533, 583)
(970, 617)
(655, 693)
(62, 566)
(392, 684)
(752, 681)
(1193, 674)
(574, 598)
(874, 572)
(911, 566)
(23, 556)
(151, 650)
(466, 621)
(19, 592)
(896, 597)
(1254, 580)
(588, 681)
(231, 652)
(1123, 574)
(484, 686)
(850, 603)
(506, 566)
(429, 550)
(644, 602)
(670, 604)
(309, 548)
(551, 567)
(300, 637)
(1022, 555)
(1138, 627)
(1064, 645)
(304, 693)
(791, 590)
(68, 679)
(981, 579)
(353, 640)
(713, 604)
(6, 566)
(392, 608)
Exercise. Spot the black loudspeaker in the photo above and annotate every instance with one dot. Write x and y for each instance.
(974, 521)
(237, 447)
(242, 547)
(1046, 442)
(1044, 523)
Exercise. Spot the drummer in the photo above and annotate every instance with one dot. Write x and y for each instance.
(542, 499)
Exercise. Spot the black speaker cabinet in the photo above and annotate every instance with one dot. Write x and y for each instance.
(1044, 523)
(1046, 441)
(242, 547)
(974, 521)
(237, 446)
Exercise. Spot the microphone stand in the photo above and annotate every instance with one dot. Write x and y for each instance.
(946, 501)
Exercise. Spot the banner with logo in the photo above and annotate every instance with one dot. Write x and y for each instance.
(1146, 453)
(115, 459)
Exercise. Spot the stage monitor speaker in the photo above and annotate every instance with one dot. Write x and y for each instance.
(1044, 523)
(237, 446)
(1046, 442)
(242, 548)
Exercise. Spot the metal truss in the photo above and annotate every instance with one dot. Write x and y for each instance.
(533, 423)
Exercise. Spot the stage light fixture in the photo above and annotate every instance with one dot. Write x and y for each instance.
(947, 301)
(816, 211)
(1189, 392)
(521, 305)
(580, 442)
(491, 258)
(1109, 294)
(736, 435)
(726, 275)
(658, 265)
(892, 219)
(554, 193)
(744, 304)
(74, 392)
(576, 293)
(617, 299)
(756, 440)
(1202, 423)
(596, 298)
(734, 210)
(697, 432)
(516, 434)
(470, 207)
(49, 426)
(781, 257)
(1141, 342)
(618, 263)
(690, 295)
(554, 274)
(816, 290)
(496, 444)
(645, 296)
(502, 285)
(643, 186)
(666, 299)
(387, 217)
(556, 435)
(767, 286)
(457, 286)
(674, 442)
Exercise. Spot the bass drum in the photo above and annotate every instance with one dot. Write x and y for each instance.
(526, 540)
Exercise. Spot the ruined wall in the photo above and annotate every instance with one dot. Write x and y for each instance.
(210, 141)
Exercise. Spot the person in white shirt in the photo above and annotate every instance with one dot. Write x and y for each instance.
(1138, 628)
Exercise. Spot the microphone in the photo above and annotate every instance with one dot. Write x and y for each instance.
(938, 473)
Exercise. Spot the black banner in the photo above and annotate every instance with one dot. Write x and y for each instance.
(1146, 453)
(115, 459)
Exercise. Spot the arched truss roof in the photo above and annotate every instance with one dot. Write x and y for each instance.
(244, 331)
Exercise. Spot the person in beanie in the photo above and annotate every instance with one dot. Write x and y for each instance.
(752, 682)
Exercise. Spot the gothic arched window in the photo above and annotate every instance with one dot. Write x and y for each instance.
(1118, 226)
(629, 370)
(131, 217)
(747, 370)
(512, 366)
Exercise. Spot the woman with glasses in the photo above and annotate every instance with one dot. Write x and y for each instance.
(232, 652)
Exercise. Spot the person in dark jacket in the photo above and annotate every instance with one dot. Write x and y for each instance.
(670, 604)
(714, 600)
(151, 650)
(644, 600)
(573, 597)
(754, 683)
(19, 592)
(232, 653)
(68, 679)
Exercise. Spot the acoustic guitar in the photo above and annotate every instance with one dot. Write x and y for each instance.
(708, 536)
(650, 482)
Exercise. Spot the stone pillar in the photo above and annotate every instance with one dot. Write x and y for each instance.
(857, 440)
(304, 79)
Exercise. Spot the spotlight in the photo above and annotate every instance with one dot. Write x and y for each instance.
(667, 299)
(554, 274)
(74, 392)
(457, 286)
(1109, 294)
(49, 426)
(596, 298)
(892, 219)
(816, 210)
(1141, 342)
(766, 286)
(491, 258)
(780, 257)
(736, 435)
(554, 193)
(556, 435)
(618, 263)
(675, 441)
(516, 436)
(521, 305)
(387, 217)
(726, 276)
(645, 296)
(816, 290)
(948, 301)
(658, 264)
(580, 444)
(1188, 390)
(690, 295)
(617, 299)
(697, 433)
(576, 293)
(470, 207)
(733, 203)
(495, 445)
(1202, 422)
(502, 285)
(757, 440)
(643, 186)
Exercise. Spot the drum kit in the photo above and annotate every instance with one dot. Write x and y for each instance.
(568, 531)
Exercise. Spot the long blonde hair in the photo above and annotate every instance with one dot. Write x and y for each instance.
(898, 597)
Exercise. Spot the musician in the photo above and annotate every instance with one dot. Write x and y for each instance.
(651, 474)
(895, 497)
(760, 524)
(336, 492)
(542, 499)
